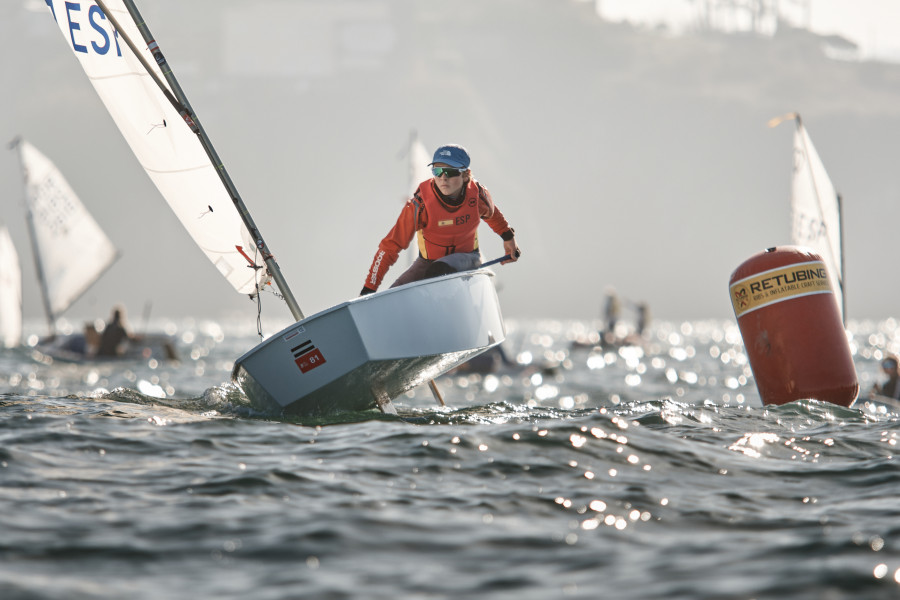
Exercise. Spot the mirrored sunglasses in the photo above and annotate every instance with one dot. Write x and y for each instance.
(438, 171)
(888, 364)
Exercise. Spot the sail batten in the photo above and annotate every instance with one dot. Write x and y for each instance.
(816, 211)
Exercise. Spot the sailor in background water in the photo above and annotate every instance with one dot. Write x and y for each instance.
(444, 212)
(612, 310)
(115, 334)
(890, 388)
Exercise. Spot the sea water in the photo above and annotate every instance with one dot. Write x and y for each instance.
(645, 471)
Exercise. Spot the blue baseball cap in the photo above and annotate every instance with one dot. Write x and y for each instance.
(452, 155)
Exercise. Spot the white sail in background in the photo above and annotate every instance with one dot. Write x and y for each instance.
(10, 292)
(815, 210)
(165, 146)
(71, 251)
(418, 164)
(417, 160)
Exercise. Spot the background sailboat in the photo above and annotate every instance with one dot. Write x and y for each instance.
(70, 249)
(10, 292)
(816, 208)
(71, 252)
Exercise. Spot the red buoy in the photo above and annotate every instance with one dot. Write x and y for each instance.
(791, 326)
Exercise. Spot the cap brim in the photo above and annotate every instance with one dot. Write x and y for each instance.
(449, 163)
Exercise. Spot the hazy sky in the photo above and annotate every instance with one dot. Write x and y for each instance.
(622, 157)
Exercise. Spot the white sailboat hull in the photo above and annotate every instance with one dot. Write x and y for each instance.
(373, 348)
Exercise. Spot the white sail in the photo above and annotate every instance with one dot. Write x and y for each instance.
(163, 143)
(815, 209)
(417, 161)
(71, 250)
(418, 164)
(10, 292)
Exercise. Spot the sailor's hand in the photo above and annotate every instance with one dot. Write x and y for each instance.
(511, 248)
(366, 291)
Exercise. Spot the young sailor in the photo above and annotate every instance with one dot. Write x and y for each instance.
(115, 334)
(444, 212)
(890, 388)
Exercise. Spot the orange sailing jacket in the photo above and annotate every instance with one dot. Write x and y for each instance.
(442, 229)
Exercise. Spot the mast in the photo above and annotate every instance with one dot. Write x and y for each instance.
(179, 101)
(16, 145)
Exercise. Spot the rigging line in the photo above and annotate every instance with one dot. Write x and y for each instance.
(259, 291)
(259, 331)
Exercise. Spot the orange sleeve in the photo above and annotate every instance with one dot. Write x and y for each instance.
(490, 213)
(397, 239)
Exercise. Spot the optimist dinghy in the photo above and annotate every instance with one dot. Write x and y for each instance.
(374, 348)
(356, 355)
(71, 252)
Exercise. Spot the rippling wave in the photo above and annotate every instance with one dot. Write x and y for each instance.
(647, 471)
